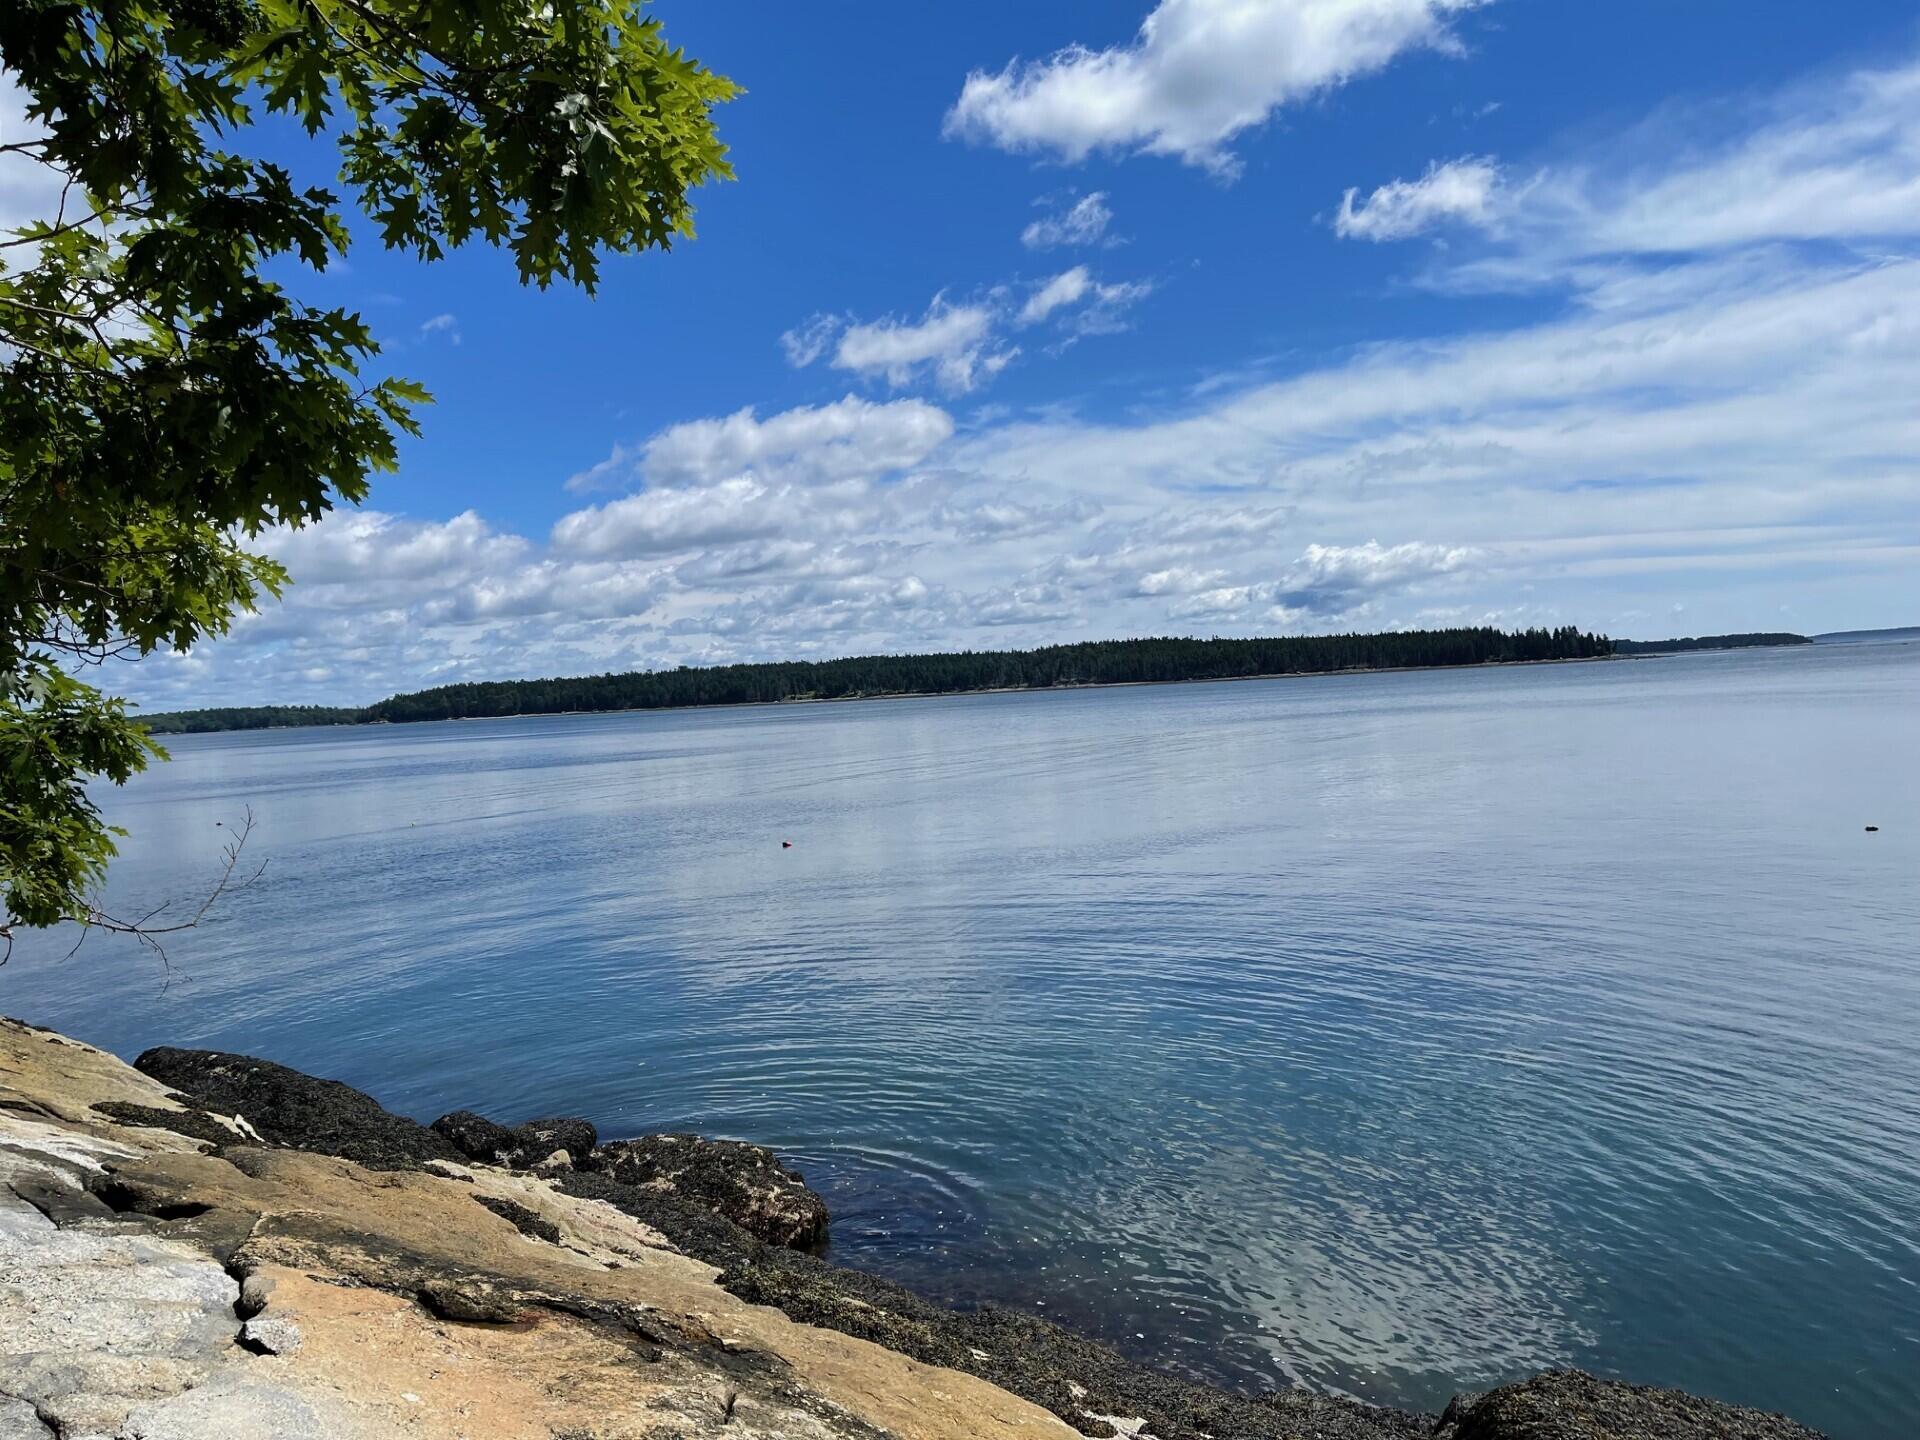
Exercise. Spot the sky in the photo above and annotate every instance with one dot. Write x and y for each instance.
(1029, 323)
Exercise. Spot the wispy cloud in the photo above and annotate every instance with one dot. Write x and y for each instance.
(1700, 419)
(1084, 222)
(1460, 191)
(810, 339)
(959, 347)
(952, 342)
(1836, 161)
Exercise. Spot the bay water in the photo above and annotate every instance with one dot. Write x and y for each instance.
(1391, 1034)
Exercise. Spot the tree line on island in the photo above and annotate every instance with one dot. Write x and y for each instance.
(1748, 641)
(1097, 662)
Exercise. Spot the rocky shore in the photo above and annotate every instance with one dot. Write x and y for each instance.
(205, 1245)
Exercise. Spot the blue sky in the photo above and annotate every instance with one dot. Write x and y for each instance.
(1036, 322)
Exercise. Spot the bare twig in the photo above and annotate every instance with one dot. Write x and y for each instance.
(142, 928)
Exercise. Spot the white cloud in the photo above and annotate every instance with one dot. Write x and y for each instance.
(1328, 578)
(661, 522)
(1835, 162)
(957, 347)
(952, 342)
(1082, 223)
(1102, 306)
(1709, 449)
(1460, 191)
(1828, 161)
(1718, 427)
(358, 546)
(809, 444)
(848, 438)
(1198, 73)
(1069, 287)
(447, 325)
(1105, 313)
(1328, 584)
(809, 340)
(1000, 517)
(1176, 580)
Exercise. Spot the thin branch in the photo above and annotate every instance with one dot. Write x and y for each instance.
(142, 928)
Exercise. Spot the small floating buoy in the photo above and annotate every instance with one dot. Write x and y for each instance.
(1872, 829)
(786, 844)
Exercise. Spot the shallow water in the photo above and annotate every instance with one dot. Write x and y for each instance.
(1394, 1034)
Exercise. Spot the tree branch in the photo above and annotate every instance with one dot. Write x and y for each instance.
(143, 929)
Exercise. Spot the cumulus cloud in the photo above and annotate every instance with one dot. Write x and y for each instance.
(447, 325)
(660, 522)
(366, 546)
(1706, 426)
(960, 347)
(1198, 73)
(952, 343)
(1176, 580)
(850, 437)
(1603, 458)
(847, 439)
(1327, 584)
(1327, 579)
(1082, 223)
(1460, 191)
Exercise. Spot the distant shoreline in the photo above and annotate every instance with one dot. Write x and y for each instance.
(939, 694)
(1083, 665)
(999, 690)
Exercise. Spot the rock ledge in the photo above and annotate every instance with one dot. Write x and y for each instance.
(221, 1247)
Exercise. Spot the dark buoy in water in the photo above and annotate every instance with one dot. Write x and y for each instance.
(786, 844)
(1873, 829)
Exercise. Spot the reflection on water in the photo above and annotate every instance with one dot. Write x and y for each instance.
(1390, 1034)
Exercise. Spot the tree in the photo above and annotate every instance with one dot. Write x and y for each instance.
(164, 398)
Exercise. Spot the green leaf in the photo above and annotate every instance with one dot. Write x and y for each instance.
(162, 401)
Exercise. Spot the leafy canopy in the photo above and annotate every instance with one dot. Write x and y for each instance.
(163, 401)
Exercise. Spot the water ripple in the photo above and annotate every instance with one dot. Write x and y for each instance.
(1384, 1034)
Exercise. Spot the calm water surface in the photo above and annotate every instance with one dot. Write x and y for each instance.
(1391, 1034)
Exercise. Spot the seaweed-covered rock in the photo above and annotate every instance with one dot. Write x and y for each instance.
(536, 1145)
(536, 1142)
(745, 1183)
(289, 1108)
(527, 1222)
(1573, 1405)
(195, 1124)
(475, 1136)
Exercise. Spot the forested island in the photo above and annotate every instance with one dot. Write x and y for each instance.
(1748, 641)
(251, 717)
(1097, 662)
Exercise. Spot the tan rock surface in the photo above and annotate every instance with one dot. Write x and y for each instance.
(607, 1333)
